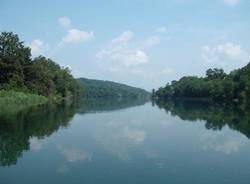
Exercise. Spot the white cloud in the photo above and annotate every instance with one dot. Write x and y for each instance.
(37, 47)
(231, 2)
(162, 29)
(119, 53)
(151, 41)
(76, 36)
(123, 38)
(222, 53)
(65, 22)
(123, 57)
(230, 49)
(133, 57)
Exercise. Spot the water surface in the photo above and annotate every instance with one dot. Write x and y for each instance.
(126, 141)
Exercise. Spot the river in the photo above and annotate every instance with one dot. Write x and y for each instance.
(125, 141)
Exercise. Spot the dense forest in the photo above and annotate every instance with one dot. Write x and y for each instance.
(107, 89)
(40, 75)
(216, 86)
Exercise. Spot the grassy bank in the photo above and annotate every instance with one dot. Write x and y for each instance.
(12, 101)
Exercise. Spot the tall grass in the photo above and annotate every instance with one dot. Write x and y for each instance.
(11, 101)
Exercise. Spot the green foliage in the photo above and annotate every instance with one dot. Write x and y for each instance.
(108, 89)
(47, 78)
(215, 74)
(217, 86)
(39, 75)
(12, 101)
(14, 56)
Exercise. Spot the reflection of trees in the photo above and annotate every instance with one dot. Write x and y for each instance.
(17, 129)
(109, 104)
(18, 125)
(216, 116)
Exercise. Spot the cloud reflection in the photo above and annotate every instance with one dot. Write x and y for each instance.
(221, 143)
(119, 140)
(134, 135)
(74, 154)
(36, 144)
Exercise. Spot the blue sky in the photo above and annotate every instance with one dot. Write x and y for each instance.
(144, 43)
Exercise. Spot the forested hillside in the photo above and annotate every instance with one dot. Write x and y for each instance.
(216, 85)
(42, 76)
(100, 89)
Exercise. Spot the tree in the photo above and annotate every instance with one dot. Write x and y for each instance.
(217, 85)
(215, 74)
(40, 75)
(14, 56)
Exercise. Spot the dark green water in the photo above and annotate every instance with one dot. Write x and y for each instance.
(126, 142)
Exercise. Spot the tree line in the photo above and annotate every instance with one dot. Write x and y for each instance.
(41, 75)
(108, 89)
(216, 86)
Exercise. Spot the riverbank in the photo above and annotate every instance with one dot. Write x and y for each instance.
(11, 101)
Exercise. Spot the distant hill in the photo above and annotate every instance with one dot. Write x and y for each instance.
(107, 89)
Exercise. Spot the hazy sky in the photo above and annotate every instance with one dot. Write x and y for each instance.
(144, 43)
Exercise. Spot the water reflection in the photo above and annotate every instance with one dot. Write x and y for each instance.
(22, 130)
(119, 139)
(109, 104)
(215, 116)
(218, 142)
(72, 154)
(140, 144)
